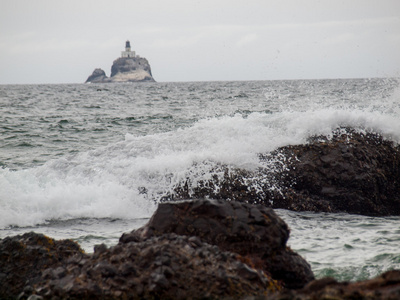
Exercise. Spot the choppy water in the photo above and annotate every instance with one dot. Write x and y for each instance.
(75, 158)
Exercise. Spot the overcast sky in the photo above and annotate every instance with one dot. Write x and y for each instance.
(50, 41)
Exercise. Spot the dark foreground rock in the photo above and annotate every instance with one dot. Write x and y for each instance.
(24, 257)
(192, 249)
(253, 231)
(165, 267)
(351, 172)
(189, 250)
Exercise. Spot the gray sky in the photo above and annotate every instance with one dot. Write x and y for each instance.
(51, 41)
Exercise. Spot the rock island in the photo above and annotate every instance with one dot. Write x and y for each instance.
(130, 67)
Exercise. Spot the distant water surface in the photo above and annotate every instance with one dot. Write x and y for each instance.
(75, 158)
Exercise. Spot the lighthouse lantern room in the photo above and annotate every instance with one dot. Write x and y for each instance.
(128, 52)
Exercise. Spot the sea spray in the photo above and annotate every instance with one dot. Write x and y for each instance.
(99, 160)
(109, 181)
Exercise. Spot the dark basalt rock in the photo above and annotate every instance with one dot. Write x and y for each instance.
(24, 257)
(190, 250)
(253, 231)
(195, 249)
(98, 75)
(351, 172)
(165, 267)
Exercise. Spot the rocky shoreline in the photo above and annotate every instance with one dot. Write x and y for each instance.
(231, 247)
(197, 249)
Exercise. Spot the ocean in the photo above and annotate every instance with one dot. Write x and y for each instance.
(91, 161)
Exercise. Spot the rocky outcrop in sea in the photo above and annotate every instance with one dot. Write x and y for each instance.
(350, 171)
(188, 250)
(124, 69)
(199, 249)
(232, 247)
(254, 232)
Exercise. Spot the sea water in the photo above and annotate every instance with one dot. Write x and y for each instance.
(91, 161)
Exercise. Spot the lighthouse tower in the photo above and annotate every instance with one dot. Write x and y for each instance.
(128, 52)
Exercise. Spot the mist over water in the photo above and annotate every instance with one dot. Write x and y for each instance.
(90, 162)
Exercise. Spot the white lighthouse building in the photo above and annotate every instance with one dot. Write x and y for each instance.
(128, 52)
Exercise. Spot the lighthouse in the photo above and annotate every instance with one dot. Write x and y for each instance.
(128, 52)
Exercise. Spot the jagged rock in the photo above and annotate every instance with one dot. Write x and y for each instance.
(130, 64)
(24, 257)
(349, 172)
(98, 75)
(125, 69)
(165, 267)
(253, 231)
(154, 262)
(192, 249)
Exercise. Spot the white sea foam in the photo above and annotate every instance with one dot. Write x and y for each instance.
(30, 197)
(109, 182)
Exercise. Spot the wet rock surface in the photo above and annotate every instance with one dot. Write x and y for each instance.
(253, 231)
(350, 172)
(200, 249)
(24, 257)
(165, 267)
(192, 249)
